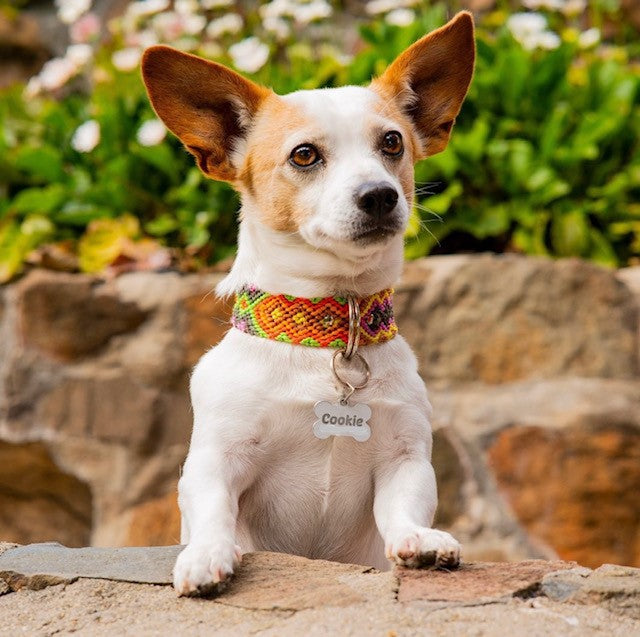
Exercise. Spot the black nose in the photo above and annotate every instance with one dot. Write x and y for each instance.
(376, 198)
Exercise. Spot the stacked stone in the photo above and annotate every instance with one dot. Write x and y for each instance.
(533, 368)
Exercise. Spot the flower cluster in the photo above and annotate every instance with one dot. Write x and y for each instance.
(247, 37)
(532, 30)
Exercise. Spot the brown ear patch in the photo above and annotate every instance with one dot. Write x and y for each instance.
(431, 78)
(208, 106)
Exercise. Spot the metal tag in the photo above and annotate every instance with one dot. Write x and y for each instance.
(342, 420)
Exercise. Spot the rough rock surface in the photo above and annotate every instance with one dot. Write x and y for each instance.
(284, 595)
(514, 351)
(38, 500)
(501, 319)
(479, 581)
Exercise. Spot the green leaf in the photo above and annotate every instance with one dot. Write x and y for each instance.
(43, 163)
(570, 233)
(39, 200)
(18, 239)
(162, 225)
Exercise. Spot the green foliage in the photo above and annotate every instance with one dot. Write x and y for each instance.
(544, 158)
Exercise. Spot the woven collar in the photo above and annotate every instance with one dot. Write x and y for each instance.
(317, 322)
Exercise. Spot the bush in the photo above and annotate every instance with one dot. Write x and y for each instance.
(544, 158)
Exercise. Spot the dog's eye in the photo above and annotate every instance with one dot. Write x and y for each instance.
(392, 143)
(304, 156)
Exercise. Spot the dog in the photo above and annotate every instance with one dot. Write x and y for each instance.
(322, 451)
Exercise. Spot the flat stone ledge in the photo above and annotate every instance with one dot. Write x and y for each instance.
(281, 595)
(477, 581)
(277, 581)
(36, 566)
(611, 586)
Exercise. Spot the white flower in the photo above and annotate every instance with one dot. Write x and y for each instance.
(530, 29)
(141, 39)
(249, 55)
(126, 59)
(185, 7)
(169, 25)
(310, 11)
(79, 54)
(375, 7)
(85, 29)
(574, 7)
(279, 27)
(33, 87)
(524, 24)
(70, 10)
(151, 133)
(147, 7)
(400, 17)
(278, 8)
(215, 4)
(546, 40)
(549, 5)
(589, 38)
(86, 137)
(56, 73)
(229, 23)
(193, 24)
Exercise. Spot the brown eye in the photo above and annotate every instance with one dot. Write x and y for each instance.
(304, 156)
(392, 143)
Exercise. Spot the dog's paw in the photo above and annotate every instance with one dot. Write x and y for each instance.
(424, 547)
(204, 570)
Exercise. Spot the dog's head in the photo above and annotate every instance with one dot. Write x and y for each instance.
(334, 166)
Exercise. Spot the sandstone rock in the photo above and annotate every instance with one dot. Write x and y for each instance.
(5, 546)
(575, 488)
(631, 277)
(478, 581)
(497, 319)
(450, 477)
(285, 596)
(155, 522)
(67, 316)
(488, 527)
(263, 581)
(106, 406)
(279, 581)
(114, 409)
(38, 565)
(39, 501)
(207, 322)
(612, 586)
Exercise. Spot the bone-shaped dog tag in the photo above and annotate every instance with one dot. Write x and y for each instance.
(342, 420)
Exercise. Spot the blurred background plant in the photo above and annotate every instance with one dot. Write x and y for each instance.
(545, 158)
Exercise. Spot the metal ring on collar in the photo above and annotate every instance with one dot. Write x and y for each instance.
(347, 386)
(354, 327)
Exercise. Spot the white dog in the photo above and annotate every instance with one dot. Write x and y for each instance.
(326, 179)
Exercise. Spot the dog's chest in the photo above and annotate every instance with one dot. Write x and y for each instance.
(310, 493)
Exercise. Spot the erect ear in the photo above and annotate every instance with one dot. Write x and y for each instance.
(430, 80)
(208, 106)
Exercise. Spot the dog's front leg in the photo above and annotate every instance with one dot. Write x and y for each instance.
(208, 496)
(404, 505)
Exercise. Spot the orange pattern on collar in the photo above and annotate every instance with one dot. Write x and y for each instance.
(315, 322)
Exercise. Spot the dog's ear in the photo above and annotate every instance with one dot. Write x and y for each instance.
(430, 80)
(208, 106)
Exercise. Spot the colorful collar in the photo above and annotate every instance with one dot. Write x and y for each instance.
(316, 322)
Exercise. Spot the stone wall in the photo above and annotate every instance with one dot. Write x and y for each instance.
(533, 368)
